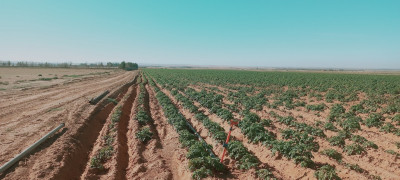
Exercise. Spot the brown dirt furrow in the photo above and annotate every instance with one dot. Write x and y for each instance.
(66, 155)
(135, 148)
(162, 156)
(123, 153)
(43, 117)
(115, 166)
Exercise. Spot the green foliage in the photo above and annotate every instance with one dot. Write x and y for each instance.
(330, 126)
(287, 120)
(337, 141)
(112, 100)
(142, 117)
(396, 119)
(326, 172)
(388, 127)
(299, 147)
(201, 173)
(351, 124)
(392, 152)
(115, 117)
(353, 149)
(336, 111)
(264, 174)
(316, 107)
(363, 142)
(102, 155)
(266, 122)
(144, 135)
(332, 154)
(397, 144)
(374, 120)
(186, 138)
(355, 167)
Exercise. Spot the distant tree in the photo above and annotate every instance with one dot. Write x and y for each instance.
(122, 65)
(131, 66)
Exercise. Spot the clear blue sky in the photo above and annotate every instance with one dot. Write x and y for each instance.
(290, 33)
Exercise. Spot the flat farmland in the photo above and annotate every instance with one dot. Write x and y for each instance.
(173, 124)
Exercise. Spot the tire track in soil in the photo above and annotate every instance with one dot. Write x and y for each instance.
(162, 156)
(36, 97)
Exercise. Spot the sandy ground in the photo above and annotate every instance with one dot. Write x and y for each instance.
(25, 116)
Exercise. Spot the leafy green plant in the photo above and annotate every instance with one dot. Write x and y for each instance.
(350, 124)
(266, 122)
(396, 119)
(142, 117)
(116, 115)
(392, 152)
(397, 144)
(355, 167)
(144, 135)
(112, 100)
(102, 155)
(332, 154)
(201, 173)
(326, 172)
(316, 107)
(388, 127)
(374, 120)
(330, 126)
(353, 149)
(264, 174)
(337, 141)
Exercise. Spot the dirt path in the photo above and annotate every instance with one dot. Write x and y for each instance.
(63, 103)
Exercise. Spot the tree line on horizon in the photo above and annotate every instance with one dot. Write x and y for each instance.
(123, 65)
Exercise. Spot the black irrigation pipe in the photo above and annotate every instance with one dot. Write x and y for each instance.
(29, 149)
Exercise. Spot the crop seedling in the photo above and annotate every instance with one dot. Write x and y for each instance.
(144, 135)
(326, 172)
(112, 100)
(332, 154)
(374, 120)
(354, 149)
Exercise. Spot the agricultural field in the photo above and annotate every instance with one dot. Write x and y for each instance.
(291, 125)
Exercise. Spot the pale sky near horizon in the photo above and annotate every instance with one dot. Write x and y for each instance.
(268, 33)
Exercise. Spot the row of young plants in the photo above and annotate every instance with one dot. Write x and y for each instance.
(201, 163)
(107, 149)
(339, 86)
(328, 87)
(315, 131)
(211, 101)
(144, 134)
(298, 145)
(236, 150)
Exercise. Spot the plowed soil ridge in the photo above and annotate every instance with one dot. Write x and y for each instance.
(162, 157)
(64, 155)
(79, 156)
